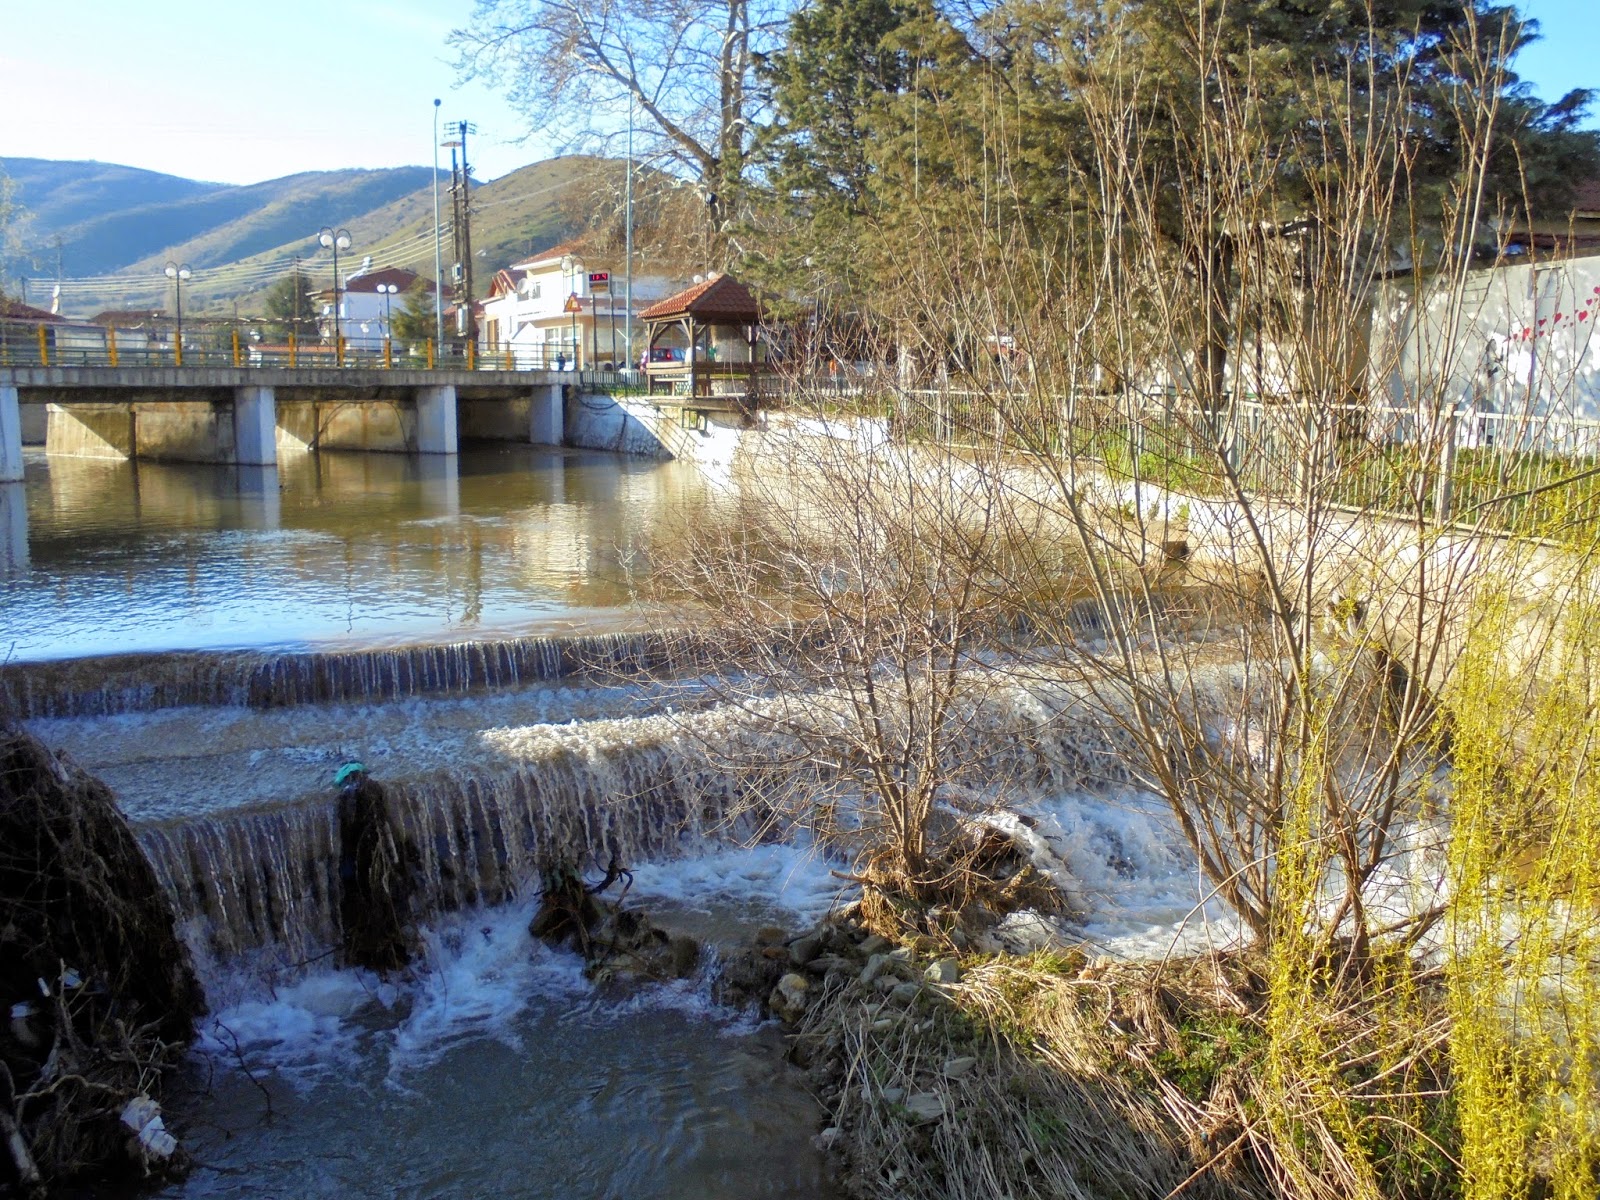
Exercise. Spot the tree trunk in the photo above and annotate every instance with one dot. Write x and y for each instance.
(1211, 354)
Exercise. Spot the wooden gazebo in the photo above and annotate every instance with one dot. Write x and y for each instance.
(705, 341)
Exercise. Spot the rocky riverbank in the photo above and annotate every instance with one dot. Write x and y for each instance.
(990, 1073)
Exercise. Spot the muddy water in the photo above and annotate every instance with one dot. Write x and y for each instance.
(326, 549)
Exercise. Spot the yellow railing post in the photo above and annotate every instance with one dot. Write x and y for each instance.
(388, 353)
(111, 344)
(430, 354)
(44, 348)
(338, 351)
(291, 348)
(236, 347)
(472, 356)
(509, 365)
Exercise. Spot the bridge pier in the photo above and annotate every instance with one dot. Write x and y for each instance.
(255, 426)
(10, 435)
(436, 419)
(546, 426)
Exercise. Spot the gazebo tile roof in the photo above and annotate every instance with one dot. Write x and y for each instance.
(717, 298)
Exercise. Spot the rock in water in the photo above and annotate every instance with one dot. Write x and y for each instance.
(374, 878)
(788, 1000)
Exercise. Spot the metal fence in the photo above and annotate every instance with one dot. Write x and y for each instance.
(1509, 470)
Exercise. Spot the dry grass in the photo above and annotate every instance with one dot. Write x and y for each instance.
(1086, 1083)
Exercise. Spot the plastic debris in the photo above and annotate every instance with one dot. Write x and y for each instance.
(143, 1116)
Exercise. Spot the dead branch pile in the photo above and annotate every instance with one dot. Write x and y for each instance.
(101, 993)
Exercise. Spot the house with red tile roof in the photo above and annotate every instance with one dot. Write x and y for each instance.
(366, 307)
(567, 308)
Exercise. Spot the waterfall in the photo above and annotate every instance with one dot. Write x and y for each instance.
(265, 877)
(268, 876)
(114, 684)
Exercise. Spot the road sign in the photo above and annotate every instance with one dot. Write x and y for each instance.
(599, 281)
(573, 305)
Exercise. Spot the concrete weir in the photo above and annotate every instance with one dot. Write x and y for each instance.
(249, 415)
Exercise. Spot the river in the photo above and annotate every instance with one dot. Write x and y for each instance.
(493, 1067)
(215, 643)
(331, 549)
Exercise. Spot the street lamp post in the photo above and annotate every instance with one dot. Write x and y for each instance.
(178, 272)
(567, 265)
(387, 291)
(336, 240)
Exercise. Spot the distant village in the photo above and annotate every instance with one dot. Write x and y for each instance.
(565, 308)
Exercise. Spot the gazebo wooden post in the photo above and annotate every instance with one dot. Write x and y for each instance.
(750, 364)
(694, 390)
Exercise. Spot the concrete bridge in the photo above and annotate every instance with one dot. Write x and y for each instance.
(246, 415)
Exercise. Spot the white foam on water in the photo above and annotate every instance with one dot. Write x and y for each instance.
(794, 883)
(1133, 883)
(480, 971)
(306, 1030)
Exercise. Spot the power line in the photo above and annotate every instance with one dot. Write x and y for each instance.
(409, 250)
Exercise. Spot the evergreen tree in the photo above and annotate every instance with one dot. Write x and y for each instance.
(292, 306)
(415, 321)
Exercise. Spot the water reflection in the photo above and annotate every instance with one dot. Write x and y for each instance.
(106, 555)
(13, 530)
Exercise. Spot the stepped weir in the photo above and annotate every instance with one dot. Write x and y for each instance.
(481, 798)
(112, 684)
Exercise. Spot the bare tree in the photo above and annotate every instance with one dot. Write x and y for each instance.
(574, 67)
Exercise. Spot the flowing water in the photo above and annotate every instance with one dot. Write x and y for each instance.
(215, 647)
(498, 1070)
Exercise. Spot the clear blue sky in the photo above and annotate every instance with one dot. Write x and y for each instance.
(233, 92)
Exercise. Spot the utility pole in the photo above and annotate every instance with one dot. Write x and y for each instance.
(438, 267)
(461, 221)
(628, 222)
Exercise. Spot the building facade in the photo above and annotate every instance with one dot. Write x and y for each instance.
(567, 309)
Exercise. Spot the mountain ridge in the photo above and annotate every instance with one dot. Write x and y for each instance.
(112, 228)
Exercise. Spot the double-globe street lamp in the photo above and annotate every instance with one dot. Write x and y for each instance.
(178, 273)
(336, 240)
(388, 291)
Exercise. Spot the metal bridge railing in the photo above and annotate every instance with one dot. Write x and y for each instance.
(46, 345)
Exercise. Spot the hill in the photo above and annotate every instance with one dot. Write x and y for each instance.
(63, 194)
(118, 226)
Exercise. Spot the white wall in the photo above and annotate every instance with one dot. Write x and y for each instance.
(1520, 341)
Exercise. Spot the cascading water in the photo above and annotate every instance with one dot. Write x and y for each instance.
(141, 683)
(234, 806)
(237, 813)
(268, 876)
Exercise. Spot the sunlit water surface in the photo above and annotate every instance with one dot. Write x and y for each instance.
(106, 556)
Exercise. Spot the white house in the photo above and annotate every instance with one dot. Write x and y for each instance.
(566, 308)
(366, 307)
